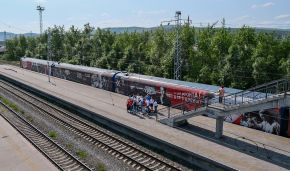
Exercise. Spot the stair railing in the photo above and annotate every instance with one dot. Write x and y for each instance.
(263, 91)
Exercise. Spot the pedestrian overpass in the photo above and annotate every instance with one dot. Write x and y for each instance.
(270, 95)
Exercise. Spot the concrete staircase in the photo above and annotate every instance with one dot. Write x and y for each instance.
(274, 101)
(266, 96)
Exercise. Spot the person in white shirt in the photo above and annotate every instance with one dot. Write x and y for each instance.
(155, 104)
(147, 105)
(151, 103)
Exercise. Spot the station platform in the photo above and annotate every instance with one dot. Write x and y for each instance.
(16, 153)
(201, 143)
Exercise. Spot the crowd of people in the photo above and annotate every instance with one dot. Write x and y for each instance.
(139, 104)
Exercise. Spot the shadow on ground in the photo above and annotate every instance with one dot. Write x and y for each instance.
(244, 145)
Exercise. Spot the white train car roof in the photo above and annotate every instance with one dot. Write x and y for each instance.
(68, 66)
(206, 87)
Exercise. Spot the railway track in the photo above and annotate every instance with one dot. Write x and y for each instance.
(54, 152)
(128, 152)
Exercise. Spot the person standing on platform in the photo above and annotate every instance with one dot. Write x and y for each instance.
(148, 97)
(135, 104)
(155, 104)
(131, 104)
(151, 101)
(128, 105)
(142, 105)
(147, 105)
(221, 93)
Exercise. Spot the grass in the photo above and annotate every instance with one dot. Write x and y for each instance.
(82, 154)
(100, 166)
(29, 117)
(14, 106)
(5, 101)
(52, 134)
(69, 145)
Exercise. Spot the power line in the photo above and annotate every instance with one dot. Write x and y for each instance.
(11, 26)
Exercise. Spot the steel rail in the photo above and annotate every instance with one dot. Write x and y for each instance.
(95, 131)
(47, 143)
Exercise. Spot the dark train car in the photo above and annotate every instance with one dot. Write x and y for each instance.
(94, 77)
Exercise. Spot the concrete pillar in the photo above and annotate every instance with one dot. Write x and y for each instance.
(219, 126)
(170, 122)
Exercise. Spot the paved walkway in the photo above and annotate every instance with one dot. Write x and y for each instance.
(16, 153)
(112, 105)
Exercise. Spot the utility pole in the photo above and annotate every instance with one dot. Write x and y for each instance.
(177, 58)
(49, 53)
(4, 38)
(40, 9)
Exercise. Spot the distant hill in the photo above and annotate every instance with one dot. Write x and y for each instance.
(118, 30)
(12, 35)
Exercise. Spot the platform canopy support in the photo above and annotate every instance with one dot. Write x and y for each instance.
(219, 126)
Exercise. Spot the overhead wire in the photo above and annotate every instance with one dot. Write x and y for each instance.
(11, 26)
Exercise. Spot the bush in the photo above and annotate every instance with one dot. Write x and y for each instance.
(82, 154)
(29, 117)
(52, 134)
(100, 166)
(15, 107)
(22, 112)
(5, 101)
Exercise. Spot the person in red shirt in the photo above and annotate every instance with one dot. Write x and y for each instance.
(129, 104)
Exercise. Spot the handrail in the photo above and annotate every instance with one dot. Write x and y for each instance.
(245, 96)
(184, 106)
(262, 85)
(261, 91)
(185, 102)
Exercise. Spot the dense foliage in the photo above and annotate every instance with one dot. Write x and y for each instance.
(238, 59)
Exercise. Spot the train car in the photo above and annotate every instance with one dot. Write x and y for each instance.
(165, 91)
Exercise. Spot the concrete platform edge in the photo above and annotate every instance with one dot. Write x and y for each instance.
(179, 152)
(29, 140)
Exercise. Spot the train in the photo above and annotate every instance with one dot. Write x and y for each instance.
(165, 91)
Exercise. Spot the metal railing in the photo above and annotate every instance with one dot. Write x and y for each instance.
(183, 107)
(264, 91)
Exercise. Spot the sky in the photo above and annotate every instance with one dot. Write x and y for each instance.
(21, 16)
